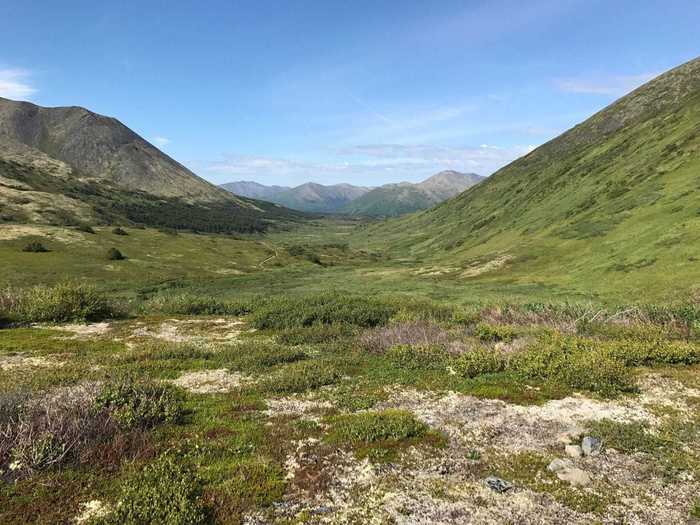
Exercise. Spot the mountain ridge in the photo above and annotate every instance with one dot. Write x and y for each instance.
(345, 198)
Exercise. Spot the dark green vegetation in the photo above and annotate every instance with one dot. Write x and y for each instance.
(107, 425)
(70, 201)
(611, 204)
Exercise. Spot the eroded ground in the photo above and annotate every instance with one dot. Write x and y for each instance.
(276, 426)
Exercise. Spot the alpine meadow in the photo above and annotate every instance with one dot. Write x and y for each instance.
(388, 281)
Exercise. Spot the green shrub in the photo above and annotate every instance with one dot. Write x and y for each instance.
(578, 363)
(316, 334)
(115, 255)
(595, 371)
(253, 484)
(302, 376)
(695, 509)
(189, 304)
(646, 353)
(328, 309)
(478, 362)
(492, 332)
(258, 355)
(626, 437)
(60, 303)
(119, 231)
(415, 357)
(165, 491)
(140, 404)
(370, 427)
(35, 247)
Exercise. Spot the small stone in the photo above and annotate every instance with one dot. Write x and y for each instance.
(591, 446)
(573, 451)
(323, 509)
(559, 464)
(569, 435)
(498, 485)
(575, 476)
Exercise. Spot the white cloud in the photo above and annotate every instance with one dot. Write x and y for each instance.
(161, 142)
(14, 83)
(604, 85)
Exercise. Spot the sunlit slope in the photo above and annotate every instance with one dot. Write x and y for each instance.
(613, 202)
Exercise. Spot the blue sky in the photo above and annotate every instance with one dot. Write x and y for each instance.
(366, 92)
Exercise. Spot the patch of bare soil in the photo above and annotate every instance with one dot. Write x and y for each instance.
(20, 361)
(447, 486)
(84, 331)
(192, 330)
(218, 381)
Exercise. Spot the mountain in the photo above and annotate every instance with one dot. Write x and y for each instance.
(309, 197)
(254, 190)
(387, 200)
(402, 198)
(613, 203)
(314, 197)
(68, 164)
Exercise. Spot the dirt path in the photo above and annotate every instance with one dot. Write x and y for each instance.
(262, 264)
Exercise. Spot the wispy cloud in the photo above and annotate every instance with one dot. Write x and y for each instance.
(15, 83)
(161, 142)
(604, 85)
(379, 163)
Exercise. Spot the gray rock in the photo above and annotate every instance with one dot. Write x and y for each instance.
(559, 464)
(575, 476)
(573, 451)
(498, 485)
(591, 446)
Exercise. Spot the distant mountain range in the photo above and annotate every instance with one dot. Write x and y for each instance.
(67, 165)
(387, 200)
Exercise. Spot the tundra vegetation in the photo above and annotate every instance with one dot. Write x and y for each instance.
(186, 408)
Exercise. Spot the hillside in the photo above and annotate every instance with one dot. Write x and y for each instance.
(387, 200)
(610, 204)
(67, 165)
(402, 198)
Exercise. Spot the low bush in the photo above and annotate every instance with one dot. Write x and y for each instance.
(379, 340)
(312, 335)
(418, 357)
(257, 355)
(494, 333)
(140, 404)
(119, 231)
(370, 427)
(578, 363)
(478, 362)
(51, 431)
(189, 304)
(302, 376)
(165, 491)
(55, 304)
(115, 255)
(35, 247)
(626, 437)
(292, 312)
(654, 352)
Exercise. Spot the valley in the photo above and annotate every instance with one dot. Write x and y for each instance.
(522, 348)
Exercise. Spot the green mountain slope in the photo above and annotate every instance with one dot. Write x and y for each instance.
(69, 165)
(612, 204)
(392, 200)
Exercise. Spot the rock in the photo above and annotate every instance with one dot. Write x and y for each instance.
(575, 476)
(565, 471)
(498, 485)
(323, 509)
(573, 451)
(591, 446)
(559, 464)
(569, 435)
